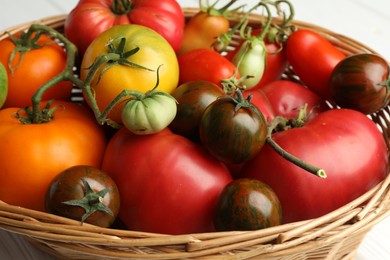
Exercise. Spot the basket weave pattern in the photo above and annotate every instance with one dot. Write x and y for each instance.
(336, 235)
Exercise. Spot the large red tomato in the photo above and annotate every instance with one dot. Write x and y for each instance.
(343, 142)
(91, 17)
(167, 183)
(31, 155)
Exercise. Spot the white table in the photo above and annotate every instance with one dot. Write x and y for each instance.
(365, 21)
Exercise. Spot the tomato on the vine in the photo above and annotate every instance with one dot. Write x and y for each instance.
(142, 52)
(33, 154)
(84, 193)
(30, 63)
(90, 18)
(361, 82)
(247, 204)
(232, 129)
(345, 143)
(167, 183)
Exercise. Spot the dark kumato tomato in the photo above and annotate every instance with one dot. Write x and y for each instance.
(232, 130)
(361, 82)
(247, 204)
(84, 193)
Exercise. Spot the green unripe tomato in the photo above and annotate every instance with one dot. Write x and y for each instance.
(3, 85)
(149, 114)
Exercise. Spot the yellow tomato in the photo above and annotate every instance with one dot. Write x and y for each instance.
(153, 51)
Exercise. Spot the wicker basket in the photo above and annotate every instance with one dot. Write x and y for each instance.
(336, 235)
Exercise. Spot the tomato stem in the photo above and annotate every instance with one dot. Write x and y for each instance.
(286, 155)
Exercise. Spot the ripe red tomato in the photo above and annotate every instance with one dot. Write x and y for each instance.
(167, 183)
(33, 69)
(205, 64)
(84, 193)
(361, 82)
(287, 98)
(313, 59)
(343, 142)
(33, 154)
(91, 17)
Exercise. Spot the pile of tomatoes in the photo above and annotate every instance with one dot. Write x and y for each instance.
(177, 131)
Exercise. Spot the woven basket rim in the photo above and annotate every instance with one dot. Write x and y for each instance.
(57, 235)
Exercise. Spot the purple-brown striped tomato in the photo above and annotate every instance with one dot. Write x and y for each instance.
(232, 130)
(361, 82)
(247, 204)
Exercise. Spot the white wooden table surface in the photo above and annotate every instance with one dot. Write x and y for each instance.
(365, 21)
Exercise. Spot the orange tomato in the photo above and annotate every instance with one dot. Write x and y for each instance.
(31, 155)
(32, 70)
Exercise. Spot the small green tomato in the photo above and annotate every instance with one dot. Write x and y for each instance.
(150, 113)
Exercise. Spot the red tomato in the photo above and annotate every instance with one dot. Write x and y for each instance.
(91, 17)
(313, 58)
(287, 98)
(204, 64)
(260, 100)
(33, 154)
(31, 71)
(167, 184)
(276, 62)
(343, 142)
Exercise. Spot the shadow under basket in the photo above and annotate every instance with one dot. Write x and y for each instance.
(336, 235)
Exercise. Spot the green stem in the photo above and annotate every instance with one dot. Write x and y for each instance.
(291, 158)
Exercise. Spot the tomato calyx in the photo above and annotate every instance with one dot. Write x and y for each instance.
(242, 102)
(121, 7)
(45, 115)
(23, 44)
(91, 202)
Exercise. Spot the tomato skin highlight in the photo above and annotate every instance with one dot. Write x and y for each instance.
(33, 154)
(360, 82)
(247, 204)
(343, 142)
(167, 183)
(33, 70)
(313, 59)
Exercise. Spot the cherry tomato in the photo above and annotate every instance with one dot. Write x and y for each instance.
(90, 18)
(361, 82)
(193, 97)
(313, 59)
(247, 204)
(27, 73)
(167, 183)
(84, 193)
(232, 130)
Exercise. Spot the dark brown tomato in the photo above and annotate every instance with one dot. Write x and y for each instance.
(230, 132)
(361, 82)
(69, 186)
(193, 97)
(247, 204)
